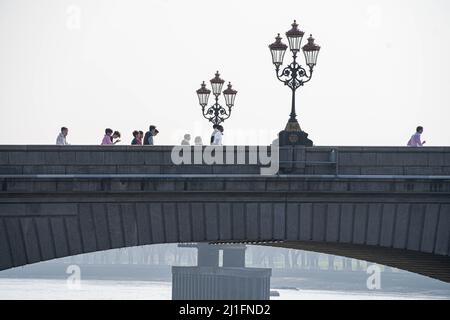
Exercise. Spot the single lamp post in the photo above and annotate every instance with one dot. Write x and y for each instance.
(216, 113)
(294, 76)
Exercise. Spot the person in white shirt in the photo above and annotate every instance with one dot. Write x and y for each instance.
(213, 134)
(218, 136)
(62, 137)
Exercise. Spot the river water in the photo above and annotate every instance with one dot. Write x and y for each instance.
(157, 290)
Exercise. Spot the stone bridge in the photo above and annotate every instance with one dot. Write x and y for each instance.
(382, 204)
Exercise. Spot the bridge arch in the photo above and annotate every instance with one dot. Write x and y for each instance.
(408, 236)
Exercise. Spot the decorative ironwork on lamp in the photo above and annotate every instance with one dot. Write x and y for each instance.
(216, 113)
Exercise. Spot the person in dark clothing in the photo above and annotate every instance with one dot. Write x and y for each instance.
(148, 138)
(136, 140)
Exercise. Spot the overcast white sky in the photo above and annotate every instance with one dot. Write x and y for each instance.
(383, 69)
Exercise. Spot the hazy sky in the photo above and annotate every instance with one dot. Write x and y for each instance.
(383, 69)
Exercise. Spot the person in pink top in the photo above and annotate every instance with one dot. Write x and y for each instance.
(107, 138)
(110, 136)
(415, 140)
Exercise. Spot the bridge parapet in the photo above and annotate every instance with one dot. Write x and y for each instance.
(35, 159)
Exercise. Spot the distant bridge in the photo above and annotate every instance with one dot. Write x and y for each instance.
(382, 204)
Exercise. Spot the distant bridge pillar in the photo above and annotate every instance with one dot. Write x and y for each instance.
(208, 281)
(234, 256)
(207, 255)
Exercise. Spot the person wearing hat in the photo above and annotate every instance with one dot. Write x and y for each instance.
(148, 138)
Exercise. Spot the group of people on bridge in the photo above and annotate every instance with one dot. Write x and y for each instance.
(113, 137)
(139, 138)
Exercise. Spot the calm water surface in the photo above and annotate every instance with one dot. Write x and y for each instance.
(149, 290)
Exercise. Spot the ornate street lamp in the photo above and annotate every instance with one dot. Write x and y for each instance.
(216, 113)
(294, 76)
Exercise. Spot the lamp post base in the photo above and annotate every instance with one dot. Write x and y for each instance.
(293, 135)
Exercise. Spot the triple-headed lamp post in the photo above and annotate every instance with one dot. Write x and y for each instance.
(294, 76)
(216, 113)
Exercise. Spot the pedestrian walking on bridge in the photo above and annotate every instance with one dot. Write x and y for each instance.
(415, 140)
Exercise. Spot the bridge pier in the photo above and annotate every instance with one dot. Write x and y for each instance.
(209, 281)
